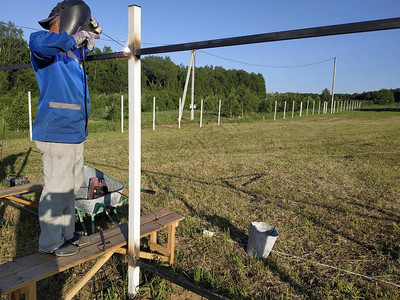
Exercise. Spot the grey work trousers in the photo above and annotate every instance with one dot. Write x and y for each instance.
(63, 176)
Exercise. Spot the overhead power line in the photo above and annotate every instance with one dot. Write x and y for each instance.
(268, 66)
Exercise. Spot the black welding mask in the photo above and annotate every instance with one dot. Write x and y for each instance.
(74, 16)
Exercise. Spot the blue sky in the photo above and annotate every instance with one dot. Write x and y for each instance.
(365, 61)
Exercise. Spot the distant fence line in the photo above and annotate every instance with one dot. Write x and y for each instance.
(338, 106)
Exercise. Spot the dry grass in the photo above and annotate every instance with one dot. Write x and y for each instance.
(330, 184)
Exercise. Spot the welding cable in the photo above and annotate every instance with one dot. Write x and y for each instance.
(84, 78)
(113, 39)
(335, 268)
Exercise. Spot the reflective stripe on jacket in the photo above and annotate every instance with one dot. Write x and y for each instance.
(61, 116)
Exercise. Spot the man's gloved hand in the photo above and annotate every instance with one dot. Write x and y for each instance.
(84, 38)
(94, 27)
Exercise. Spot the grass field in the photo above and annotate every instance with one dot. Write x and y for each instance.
(330, 184)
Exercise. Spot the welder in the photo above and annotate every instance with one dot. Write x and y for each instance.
(60, 126)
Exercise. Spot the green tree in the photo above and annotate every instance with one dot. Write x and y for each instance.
(396, 95)
(13, 51)
(384, 96)
(325, 95)
(16, 111)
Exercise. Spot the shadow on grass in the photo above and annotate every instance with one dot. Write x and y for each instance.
(381, 109)
(273, 265)
(25, 226)
(222, 223)
(9, 163)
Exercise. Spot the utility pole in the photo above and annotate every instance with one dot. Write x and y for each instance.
(333, 84)
(193, 68)
(191, 63)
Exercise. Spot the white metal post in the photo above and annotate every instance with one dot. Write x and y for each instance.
(313, 107)
(308, 103)
(284, 111)
(154, 113)
(276, 103)
(134, 90)
(293, 110)
(301, 108)
(180, 113)
(30, 114)
(219, 113)
(319, 106)
(333, 85)
(122, 113)
(201, 113)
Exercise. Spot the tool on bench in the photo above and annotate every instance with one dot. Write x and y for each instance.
(103, 241)
(13, 180)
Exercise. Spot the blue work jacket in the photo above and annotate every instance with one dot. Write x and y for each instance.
(61, 116)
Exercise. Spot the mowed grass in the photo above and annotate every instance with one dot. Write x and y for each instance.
(330, 184)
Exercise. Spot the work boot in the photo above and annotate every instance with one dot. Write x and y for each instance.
(79, 240)
(64, 250)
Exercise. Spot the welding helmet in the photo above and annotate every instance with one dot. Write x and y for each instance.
(74, 16)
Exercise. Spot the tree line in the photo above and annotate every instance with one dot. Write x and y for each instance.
(241, 92)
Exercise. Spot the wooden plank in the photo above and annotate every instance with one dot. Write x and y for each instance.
(160, 223)
(8, 202)
(147, 255)
(54, 266)
(37, 258)
(39, 266)
(21, 189)
(159, 248)
(22, 263)
(122, 251)
(22, 201)
(154, 216)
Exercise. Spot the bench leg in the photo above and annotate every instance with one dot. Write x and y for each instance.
(153, 237)
(88, 275)
(169, 251)
(171, 242)
(29, 291)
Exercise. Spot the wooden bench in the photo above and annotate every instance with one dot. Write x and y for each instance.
(7, 195)
(20, 276)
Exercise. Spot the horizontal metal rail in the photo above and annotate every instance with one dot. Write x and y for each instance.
(178, 281)
(376, 25)
(349, 28)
